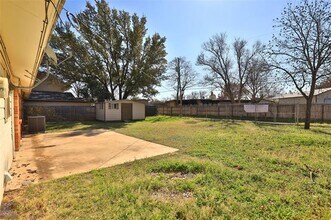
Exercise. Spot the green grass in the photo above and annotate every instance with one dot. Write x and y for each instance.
(223, 170)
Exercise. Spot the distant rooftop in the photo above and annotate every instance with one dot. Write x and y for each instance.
(52, 96)
(296, 95)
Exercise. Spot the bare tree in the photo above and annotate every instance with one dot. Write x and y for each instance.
(181, 76)
(216, 59)
(244, 58)
(202, 94)
(302, 49)
(261, 82)
(193, 95)
(228, 66)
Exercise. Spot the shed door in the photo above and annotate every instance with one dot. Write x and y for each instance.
(126, 111)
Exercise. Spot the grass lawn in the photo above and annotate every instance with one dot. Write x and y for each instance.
(223, 170)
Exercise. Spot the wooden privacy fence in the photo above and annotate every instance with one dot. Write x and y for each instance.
(276, 112)
(61, 113)
(150, 110)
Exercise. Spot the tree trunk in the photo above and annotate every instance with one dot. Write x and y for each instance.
(120, 93)
(177, 96)
(308, 112)
(125, 95)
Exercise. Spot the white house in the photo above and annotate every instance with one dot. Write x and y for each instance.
(25, 29)
(120, 110)
(321, 96)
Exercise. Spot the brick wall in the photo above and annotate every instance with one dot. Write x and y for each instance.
(17, 119)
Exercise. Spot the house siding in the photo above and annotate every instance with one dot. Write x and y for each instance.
(290, 101)
(50, 87)
(321, 98)
(113, 114)
(100, 113)
(7, 145)
(138, 111)
(318, 99)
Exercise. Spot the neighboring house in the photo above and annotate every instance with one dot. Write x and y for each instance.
(321, 96)
(51, 84)
(121, 110)
(49, 99)
(51, 92)
(25, 29)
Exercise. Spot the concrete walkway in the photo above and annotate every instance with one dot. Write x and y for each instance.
(49, 156)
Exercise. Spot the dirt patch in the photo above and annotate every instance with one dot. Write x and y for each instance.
(182, 176)
(7, 209)
(24, 174)
(165, 194)
(175, 175)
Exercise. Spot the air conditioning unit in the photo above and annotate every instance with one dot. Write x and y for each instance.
(3, 87)
(36, 124)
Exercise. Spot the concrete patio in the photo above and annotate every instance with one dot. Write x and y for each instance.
(48, 156)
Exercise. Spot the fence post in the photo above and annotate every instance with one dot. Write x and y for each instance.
(297, 113)
(198, 110)
(255, 114)
(231, 110)
(218, 111)
(170, 111)
(227, 111)
(322, 113)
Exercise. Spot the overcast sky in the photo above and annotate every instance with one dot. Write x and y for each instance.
(188, 23)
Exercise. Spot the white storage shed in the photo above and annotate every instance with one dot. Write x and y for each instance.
(120, 110)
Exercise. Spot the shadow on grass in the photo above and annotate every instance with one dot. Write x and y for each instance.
(271, 124)
(197, 119)
(78, 128)
(321, 132)
(162, 119)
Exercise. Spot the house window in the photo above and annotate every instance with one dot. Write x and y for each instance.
(8, 112)
(101, 106)
(6, 108)
(113, 106)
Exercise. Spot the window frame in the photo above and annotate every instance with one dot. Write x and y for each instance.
(113, 106)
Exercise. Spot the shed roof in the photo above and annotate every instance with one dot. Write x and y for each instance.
(123, 101)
